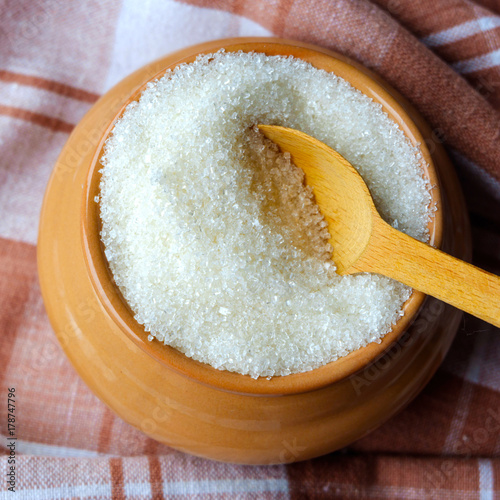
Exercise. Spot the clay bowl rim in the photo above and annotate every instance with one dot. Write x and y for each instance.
(118, 310)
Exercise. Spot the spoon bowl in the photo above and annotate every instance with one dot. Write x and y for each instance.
(341, 193)
(363, 242)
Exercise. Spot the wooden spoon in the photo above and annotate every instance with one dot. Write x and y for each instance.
(363, 242)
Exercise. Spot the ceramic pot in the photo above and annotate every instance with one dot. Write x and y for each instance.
(192, 406)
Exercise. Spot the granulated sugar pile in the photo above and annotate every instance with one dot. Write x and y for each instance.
(211, 236)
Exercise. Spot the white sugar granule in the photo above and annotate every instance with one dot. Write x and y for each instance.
(212, 238)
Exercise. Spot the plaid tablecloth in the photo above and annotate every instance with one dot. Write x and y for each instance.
(56, 58)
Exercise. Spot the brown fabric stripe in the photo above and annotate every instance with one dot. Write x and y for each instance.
(487, 83)
(37, 118)
(472, 46)
(280, 15)
(107, 421)
(151, 447)
(471, 125)
(446, 473)
(482, 427)
(155, 478)
(117, 483)
(50, 85)
(237, 5)
(341, 475)
(18, 265)
(496, 477)
(424, 17)
(492, 5)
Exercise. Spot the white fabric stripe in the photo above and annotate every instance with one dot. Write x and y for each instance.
(50, 450)
(486, 486)
(175, 488)
(251, 486)
(33, 150)
(163, 26)
(232, 486)
(62, 492)
(461, 31)
(42, 101)
(137, 490)
(459, 419)
(479, 63)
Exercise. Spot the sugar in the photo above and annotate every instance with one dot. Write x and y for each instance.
(210, 233)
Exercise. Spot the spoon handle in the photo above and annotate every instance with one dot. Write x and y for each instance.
(397, 255)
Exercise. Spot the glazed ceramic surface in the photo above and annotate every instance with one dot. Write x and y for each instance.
(192, 406)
